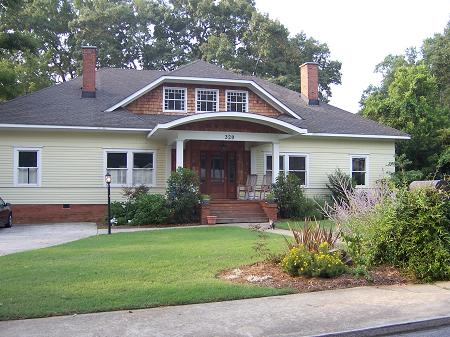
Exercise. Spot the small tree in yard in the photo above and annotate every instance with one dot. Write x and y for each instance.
(340, 184)
(183, 195)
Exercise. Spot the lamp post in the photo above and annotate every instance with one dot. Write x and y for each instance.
(108, 182)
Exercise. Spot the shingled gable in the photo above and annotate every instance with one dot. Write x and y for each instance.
(60, 106)
(202, 73)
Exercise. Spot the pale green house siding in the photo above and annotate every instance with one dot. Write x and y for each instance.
(72, 165)
(73, 162)
(326, 154)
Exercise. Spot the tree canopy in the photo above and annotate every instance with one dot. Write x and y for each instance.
(414, 97)
(40, 40)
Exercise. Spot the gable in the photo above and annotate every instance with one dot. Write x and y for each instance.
(152, 102)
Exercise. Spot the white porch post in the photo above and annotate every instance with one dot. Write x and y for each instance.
(253, 160)
(179, 153)
(275, 161)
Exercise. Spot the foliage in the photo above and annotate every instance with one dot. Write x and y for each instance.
(312, 235)
(321, 263)
(134, 192)
(119, 213)
(183, 195)
(413, 97)
(261, 245)
(151, 209)
(159, 35)
(407, 229)
(292, 203)
(340, 183)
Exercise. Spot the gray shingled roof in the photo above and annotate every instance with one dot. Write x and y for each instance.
(62, 105)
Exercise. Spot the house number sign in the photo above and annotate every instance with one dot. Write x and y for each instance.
(229, 137)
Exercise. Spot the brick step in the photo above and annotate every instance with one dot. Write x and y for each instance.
(242, 220)
(236, 209)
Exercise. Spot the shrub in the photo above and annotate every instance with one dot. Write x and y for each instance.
(151, 209)
(183, 195)
(311, 236)
(292, 203)
(415, 233)
(340, 184)
(407, 229)
(118, 212)
(323, 263)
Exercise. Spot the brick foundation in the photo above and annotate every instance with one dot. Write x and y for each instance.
(35, 214)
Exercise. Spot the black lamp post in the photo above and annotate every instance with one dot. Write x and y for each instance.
(108, 182)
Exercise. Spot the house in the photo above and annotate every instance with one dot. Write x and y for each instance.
(56, 144)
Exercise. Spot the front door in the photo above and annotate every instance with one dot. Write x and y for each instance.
(218, 174)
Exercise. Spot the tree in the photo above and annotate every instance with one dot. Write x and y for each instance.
(412, 98)
(157, 34)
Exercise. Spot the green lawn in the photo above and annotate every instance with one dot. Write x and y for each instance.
(129, 270)
(283, 224)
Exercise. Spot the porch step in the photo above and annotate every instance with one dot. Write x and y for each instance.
(237, 211)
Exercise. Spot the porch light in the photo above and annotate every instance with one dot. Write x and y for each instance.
(108, 178)
(108, 182)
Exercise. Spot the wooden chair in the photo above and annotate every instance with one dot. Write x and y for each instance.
(266, 186)
(248, 188)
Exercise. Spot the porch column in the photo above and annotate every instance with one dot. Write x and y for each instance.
(179, 153)
(253, 160)
(275, 161)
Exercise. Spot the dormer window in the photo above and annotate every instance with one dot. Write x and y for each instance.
(174, 99)
(206, 100)
(237, 101)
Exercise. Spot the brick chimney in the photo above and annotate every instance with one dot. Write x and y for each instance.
(89, 63)
(309, 82)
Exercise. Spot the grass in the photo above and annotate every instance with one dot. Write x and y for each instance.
(129, 271)
(283, 224)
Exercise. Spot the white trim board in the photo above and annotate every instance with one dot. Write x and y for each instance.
(69, 127)
(352, 135)
(202, 80)
(245, 116)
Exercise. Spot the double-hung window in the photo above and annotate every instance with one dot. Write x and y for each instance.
(291, 163)
(237, 101)
(269, 164)
(131, 167)
(174, 99)
(27, 164)
(359, 170)
(207, 100)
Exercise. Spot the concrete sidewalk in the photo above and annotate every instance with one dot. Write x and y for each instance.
(292, 315)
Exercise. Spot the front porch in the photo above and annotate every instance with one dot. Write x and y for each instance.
(222, 148)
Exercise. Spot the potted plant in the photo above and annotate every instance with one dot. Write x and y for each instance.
(270, 198)
(205, 198)
(211, 219)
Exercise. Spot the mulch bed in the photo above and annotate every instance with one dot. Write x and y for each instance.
(269, 274)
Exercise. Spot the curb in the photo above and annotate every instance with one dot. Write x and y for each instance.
(393, 329)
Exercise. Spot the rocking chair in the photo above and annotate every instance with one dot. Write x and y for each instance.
(248, 188)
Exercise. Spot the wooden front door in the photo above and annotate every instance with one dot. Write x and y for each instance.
(218, 174)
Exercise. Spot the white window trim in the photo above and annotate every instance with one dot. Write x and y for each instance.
(238, 91)
(366, 157)
(286, 156)
(130, 154)
(164, 99)
(16, 166)
(217, 99)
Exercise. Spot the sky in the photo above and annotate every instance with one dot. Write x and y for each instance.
(360, 33)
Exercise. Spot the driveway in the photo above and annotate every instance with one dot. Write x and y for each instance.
(28, 237)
